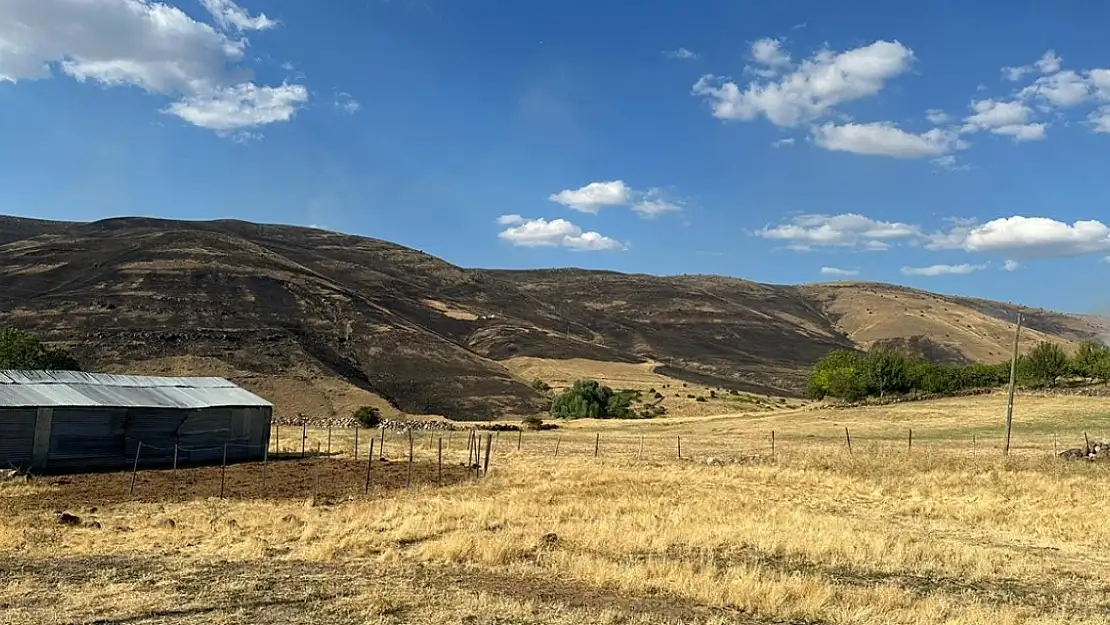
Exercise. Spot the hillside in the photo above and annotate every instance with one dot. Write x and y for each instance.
(319, 321)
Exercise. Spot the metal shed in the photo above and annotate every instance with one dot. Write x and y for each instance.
(74, 421)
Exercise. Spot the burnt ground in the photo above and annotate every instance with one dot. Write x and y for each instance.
(425, 335)
(328, 479)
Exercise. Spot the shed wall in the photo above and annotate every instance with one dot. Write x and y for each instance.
(108, 438)
(17, 436)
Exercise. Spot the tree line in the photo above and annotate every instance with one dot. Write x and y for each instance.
(852, 375)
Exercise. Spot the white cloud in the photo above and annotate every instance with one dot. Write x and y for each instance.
(232, 16)
(1004, 118)
(950, 162)
(1011, 265)
(554, 233)
(846, 230)
(833, 271)
(347, 103)
(1021, 237)
(942, 270)
(654, 203)
(597, 195)
(769, 53)
(240, 106)
(1064, 89)
(508, 220)
(812, 89)
(1099, 120)
(783, 142)
(153, 46)
(682, 54)
(937, 117)
(885, 139)
(592, 197)
(1049, 63)
(1100, 80)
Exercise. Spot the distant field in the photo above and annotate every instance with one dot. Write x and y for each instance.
(948, 532)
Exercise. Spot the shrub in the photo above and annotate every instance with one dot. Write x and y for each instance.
(590, 399)
(368, 416)
(532, 422)
(1045, 362)
(699, 398)
(541, 386)
(23, 350)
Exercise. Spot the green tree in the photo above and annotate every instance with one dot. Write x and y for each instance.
(885, 371)
(590, 399)
(1092, 360)
(23, 350)
(838, 374)
(368, 416)
(540, 385)
(1045, 362)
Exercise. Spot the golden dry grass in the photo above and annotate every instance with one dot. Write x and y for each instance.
(868, 313)
(945, 533)
(679, 398)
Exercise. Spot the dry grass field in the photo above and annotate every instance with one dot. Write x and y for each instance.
(946, 532)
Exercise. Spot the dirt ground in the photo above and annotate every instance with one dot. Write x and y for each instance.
(328, 479)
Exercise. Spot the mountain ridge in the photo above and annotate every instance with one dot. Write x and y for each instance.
(281, 302)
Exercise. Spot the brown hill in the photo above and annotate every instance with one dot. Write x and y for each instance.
(299, 313)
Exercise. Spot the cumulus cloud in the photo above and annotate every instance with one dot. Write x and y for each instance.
(809, 90)
(150, 45)
(1003, 118)
(681, 54)
(554, 233)
(937, 117)
(942, 270)
(843, 273)
(885, 139)
(231, 16)
(1011, 265)
(1099, 120)
(592, 197)
(1021, 237)
(768, 52)
(597, 195)
(1063, 89)
(846, 230)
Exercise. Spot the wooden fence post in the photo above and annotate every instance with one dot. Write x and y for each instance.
(489, 447)
(408, 479)
(223, 472)
(439, 463)
(329, 439)
(304, 437)
(519, 436)
(910, 447)
(558, 439)
(597, 444)
(848, 437)
(680, 448)
(277, 439)
(356, 442)
(477, 456)
(135, 469)
(772, 443)
(369, 467)
(381, 447)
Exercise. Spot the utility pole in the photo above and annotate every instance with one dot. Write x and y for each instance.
(1013, 382)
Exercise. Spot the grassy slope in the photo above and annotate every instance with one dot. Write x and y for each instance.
(949, 533)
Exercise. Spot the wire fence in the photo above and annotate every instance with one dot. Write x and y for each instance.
(349, 461)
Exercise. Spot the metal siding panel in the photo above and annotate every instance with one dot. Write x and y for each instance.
(17, 437)
(73, 388)
(157, 429)
(87, 438)
(204, 433)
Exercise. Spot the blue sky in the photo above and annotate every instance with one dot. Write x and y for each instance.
(953, 146)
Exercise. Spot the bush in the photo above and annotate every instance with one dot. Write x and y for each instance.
(541, 386)
(532, 422)
(589, 399)
(1092, 361)
(23, 350)
(1045, 363)
(700, 399)
(368, 416)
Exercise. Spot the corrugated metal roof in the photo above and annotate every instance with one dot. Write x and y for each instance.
(77, 388)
